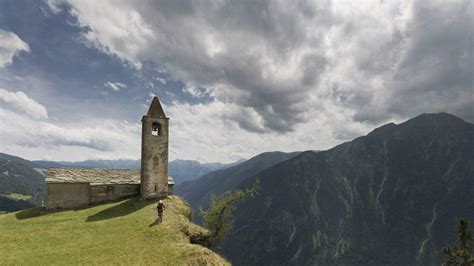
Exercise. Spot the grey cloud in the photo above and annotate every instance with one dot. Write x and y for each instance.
(313, 66)
(437, 71)
(55, 141)
(95, 144)
(245, 120)
(426, 66)
(279, 58)
(240, 45)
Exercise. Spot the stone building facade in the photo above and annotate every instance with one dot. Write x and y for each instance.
(77, 187)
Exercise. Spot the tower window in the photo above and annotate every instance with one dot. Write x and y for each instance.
(156, 129)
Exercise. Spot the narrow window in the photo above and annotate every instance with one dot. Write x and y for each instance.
(156, 129)
(155, 188)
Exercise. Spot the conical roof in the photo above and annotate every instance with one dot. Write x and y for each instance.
(155, 109)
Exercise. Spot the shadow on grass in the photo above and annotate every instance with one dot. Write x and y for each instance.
(122, 209)
(40, 211)
(125, 208)
(30, 213)
(156, 222)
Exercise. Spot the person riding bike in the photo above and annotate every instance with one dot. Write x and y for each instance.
(160, 208)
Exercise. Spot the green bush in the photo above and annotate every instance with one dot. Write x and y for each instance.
(461, 252)
(217, 219)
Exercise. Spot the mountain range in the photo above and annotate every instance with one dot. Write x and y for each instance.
(391, 197)
(185, 170)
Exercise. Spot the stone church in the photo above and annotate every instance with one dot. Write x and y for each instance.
(76, 187)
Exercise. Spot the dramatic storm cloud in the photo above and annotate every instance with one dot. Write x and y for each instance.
(280, 60)
(242, 77)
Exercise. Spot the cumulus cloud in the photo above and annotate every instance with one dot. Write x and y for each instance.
(10, 45)
(204, 132)
(115, 86)
(123, 28)
(279, 62)
(20, 101)
(26, 130)
(98, 139)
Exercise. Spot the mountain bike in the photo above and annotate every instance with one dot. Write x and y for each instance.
(160, 217)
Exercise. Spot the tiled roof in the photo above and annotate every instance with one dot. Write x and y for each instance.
(95, 176)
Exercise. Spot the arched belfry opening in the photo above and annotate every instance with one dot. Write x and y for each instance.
(156, 129)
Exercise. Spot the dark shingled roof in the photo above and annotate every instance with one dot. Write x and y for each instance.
(95, 176)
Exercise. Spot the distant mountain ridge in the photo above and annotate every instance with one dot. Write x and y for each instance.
(388, 198)
(197, 192)
(185, 170)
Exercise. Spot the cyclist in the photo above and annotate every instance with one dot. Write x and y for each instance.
(160, 208)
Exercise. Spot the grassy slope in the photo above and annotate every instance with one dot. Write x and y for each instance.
(124, 232)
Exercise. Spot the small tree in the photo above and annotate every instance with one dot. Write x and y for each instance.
(217, 218)
(461, 252)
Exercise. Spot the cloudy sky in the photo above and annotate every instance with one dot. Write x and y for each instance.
(236, 78)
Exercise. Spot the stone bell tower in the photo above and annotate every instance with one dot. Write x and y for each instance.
(154, 168)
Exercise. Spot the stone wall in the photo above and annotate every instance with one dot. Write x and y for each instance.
(74, 195)
(68, 195)
(106, 193)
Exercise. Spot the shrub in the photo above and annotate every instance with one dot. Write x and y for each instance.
(217, 219)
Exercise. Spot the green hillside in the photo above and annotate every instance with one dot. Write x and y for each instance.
(123, 232)
(21, 183)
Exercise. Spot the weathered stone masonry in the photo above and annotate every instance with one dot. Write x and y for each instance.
(154, 168)
(73, 187)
